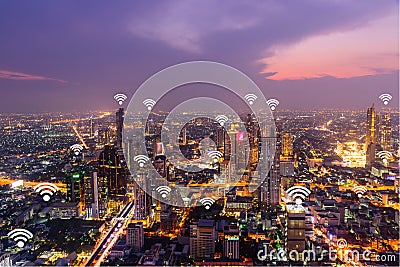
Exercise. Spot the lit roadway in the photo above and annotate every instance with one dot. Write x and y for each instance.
(104, 245)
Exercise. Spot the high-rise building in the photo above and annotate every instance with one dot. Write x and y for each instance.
(142, 204)
(287, 161)
(91, 125)
(385, 131)
(95, 195)
(370, 138)
(370, 133)
(135, 236)
(119, 116)
(287, 145)
(74, 187)
(269, 190)
(112, 169)
(202, 239)
(295, 233)
(231, 242)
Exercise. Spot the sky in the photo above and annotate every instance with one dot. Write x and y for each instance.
(309, 54)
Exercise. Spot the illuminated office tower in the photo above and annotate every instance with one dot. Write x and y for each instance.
(287, 161)
(111, 168)
(295, 233)
(370, 134)
(231, 242)
(202, 239)
(184, 136)
(269, 190)
(91, 125)
(385, 131)
(142, 204)
(287, 145)
(103, 137)
(119, 116)
(135, 236)
(95, 196)
(74, 187)
(370, 138)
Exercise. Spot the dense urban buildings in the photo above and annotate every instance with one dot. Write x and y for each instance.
(118, 222)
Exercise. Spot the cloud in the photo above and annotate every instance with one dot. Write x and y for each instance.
(12, 75)
(263, 35)
(185, 25)
(368, 50)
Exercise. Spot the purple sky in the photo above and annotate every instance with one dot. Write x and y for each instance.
(75, 55)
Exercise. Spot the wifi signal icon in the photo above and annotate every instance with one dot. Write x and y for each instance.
(250, 98)
(215, 155)
(21, 236)
(163, 190)
(384, 155)
(120, 98)
(46, 190)
(272, 103)
(221, 119)
(341, 243)
(149, 103)
(76, 148)
(207, 202)
(298, 193)
(359, 190)
(141, 159)
(385, 98)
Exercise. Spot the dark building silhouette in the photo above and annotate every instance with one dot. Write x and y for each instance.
(119, 116)
(113, 171)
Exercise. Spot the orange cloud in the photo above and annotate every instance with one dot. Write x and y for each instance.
(12, 75)
(363, 51)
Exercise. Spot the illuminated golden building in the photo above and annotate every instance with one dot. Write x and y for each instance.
(287, 145)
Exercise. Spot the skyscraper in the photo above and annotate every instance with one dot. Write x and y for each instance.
(111, 168)
(135, 236)
(95, 192)
(295, 235)
(287, 145)
(231, 242)
(119, 125)
(269, 190)
(202, 239)
(370, 134)
(287, 161)
(370, 138)
(385, 131)
(142, 204)
(74, 187)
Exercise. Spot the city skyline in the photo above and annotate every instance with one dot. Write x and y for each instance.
(56, 57)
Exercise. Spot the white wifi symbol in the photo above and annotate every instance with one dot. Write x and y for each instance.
(46, 190)
(341, 243)
(273, 103)
(221, 119)
(359, 190)
(163, 190)
(207, 202)
(384, 155)
(149, 103)
(120, 98)
(385, 98)
(298, 193)
(21, 236)
(250, 98)
(141, 159)
(76, 148)
(215, 155)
